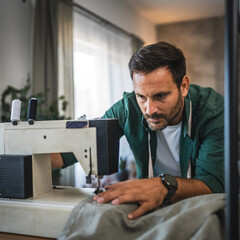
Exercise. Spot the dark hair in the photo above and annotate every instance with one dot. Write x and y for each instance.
(160, 54)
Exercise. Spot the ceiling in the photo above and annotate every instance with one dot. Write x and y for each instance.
(168, 11)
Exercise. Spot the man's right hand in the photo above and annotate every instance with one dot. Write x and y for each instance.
(148, 193)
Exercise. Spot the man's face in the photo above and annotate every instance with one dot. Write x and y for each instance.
(159, 99)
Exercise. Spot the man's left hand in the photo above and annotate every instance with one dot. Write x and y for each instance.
(148, 193)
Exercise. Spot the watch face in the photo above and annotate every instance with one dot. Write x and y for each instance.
(171, 180)
(170, 183)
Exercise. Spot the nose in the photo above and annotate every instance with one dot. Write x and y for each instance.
(150, 107)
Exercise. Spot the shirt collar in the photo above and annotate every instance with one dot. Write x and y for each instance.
(187, 116)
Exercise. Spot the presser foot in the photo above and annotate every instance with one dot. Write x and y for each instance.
(98, 190)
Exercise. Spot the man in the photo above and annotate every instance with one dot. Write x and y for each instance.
(175, 131)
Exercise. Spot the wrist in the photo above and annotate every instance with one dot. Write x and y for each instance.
(170, 183)
(161, 189)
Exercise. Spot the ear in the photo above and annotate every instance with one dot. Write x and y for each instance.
(184, 86)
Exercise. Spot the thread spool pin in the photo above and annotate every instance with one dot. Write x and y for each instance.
(32, 110)
(15, 111)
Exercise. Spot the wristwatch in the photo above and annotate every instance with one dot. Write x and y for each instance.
(170, 183)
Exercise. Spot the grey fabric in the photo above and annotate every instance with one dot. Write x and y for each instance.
(195, 218)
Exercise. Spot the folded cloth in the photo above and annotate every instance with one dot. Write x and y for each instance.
(200, 217)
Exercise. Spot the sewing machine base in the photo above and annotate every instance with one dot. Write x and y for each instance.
(44, 215)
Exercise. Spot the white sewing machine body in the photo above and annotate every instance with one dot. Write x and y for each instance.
(45, 213)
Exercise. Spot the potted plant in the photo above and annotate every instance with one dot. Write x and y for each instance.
(43, 113)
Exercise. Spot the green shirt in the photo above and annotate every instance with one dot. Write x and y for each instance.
(205, 147)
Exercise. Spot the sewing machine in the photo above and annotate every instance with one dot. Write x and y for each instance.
(95, 145)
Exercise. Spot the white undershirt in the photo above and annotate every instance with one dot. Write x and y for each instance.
(168, 148)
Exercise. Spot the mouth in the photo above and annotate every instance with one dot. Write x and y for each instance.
(154, 121)
(156, 124)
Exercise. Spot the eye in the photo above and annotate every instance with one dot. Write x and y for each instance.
(160, 96)
(140, 97)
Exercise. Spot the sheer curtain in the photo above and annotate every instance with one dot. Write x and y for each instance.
(101, 74)
(45, 52)
(65, 55)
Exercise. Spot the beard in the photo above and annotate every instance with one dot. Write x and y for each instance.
(162, 120)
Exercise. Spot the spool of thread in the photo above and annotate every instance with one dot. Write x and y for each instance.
(32, 110)
(15, 111)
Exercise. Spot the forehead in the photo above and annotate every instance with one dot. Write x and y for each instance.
(157, 81)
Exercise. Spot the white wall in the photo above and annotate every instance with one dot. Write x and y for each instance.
(124, 16)
(15, 44)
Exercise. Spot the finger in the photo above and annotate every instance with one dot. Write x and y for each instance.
(140, 211)
(117, 196)
(127, 198)
(102, 194)
(108, 196)
(97, 196)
